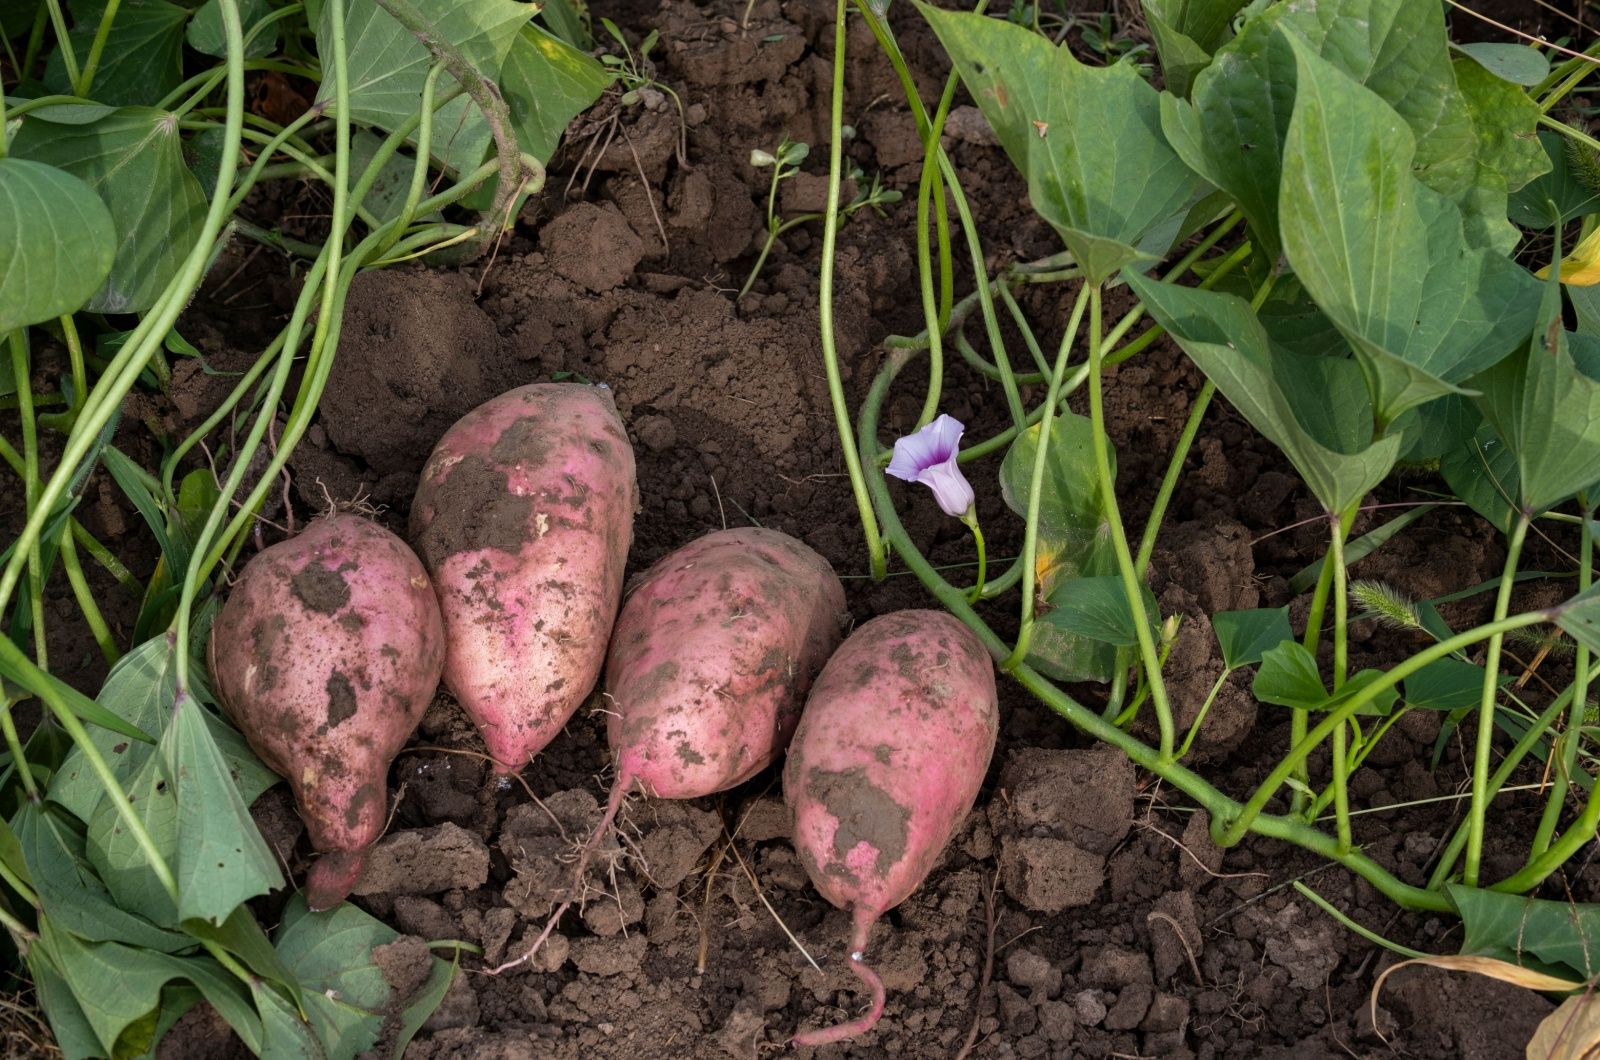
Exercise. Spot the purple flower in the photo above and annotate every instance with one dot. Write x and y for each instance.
(929, 457)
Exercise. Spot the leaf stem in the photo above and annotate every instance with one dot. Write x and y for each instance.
(1491, 693)
(830, 354)
(1043, 434)
(85, 80)
(1580, 702)
(1132, 577)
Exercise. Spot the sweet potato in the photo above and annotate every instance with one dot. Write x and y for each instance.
(325, 656)
(708, 667)
(524, 517)
(892, 747)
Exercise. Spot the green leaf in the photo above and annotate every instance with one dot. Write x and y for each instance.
(139, 692)
(1560, 937)
(1097, 608)
(1548, 412)
(387, 66)
(330, 954)
(546, 83)
(58, 246)
(1506, 121)
(1114, 199)
(20, 670)
(566, 19)
(1315, 409)
(1516, 63)
(426, 1001)
(1245, 636)
(1073, 539)
(117, 987)
(133, 159)
(206, 34)
(143, 56)
(119, 859)
(1446, 684)
(222, 859)
(1384, 256)
(1483, 472)
(67, 1022)
(71, 894)
(1382, 701)
(1235, 130)
(1563, 193)
(1288, 677)
(1580, 617)
(1186, 32)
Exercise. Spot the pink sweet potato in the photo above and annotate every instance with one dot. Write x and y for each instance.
(708, 667)
(524, 517)
(711, 660)
(892, 747)
(325, 656)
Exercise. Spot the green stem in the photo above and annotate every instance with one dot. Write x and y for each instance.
(514, 165)
(147, 336)
(830, 352)
(1043, 434)
(935, 306)
(1220, 806)
(85, 597)
(976, 592)
(1525, 744)
(63, 421)
(102, 555)
(30, 490)
(1231, 832)
(1366, 933)
(1205, 708)
(419, 166)
(774, 232)
(1021, 321)
(1132, 578)
(85, 81)
(1559, 787)
(1491, 694)
(69, 56)
(19, 757)
(1169, 481)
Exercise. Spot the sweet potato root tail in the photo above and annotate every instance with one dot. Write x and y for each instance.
(863, 971)
(330, 878)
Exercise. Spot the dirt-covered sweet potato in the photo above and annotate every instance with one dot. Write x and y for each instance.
(892, 747)
(325, 656)
(524, 517)
(711, 659)
(709, 665)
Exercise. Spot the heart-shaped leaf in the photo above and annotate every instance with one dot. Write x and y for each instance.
(132, 158)
(1517, 64)
(206, 34)
(1356, 227)
(1506, 121)
(388, 64)
(1315, 409)
(1097, 608)
(1483, 472)
(1234, 132)
(1245, 636)
(1446, 684)
(1288, 677)
(59, 243)
(546, 83)
(1114, 199)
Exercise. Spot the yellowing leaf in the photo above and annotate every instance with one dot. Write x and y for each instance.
(1571, 1032)
(1581, 268)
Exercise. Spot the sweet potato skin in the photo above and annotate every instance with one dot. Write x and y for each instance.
(712, 656)
(524, 517)
(325, 656)
(890, 753)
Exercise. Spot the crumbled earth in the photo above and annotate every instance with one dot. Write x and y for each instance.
(1117, 927)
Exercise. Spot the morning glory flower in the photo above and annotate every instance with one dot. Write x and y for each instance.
(929, 457)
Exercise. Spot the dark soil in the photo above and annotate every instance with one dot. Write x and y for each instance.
(1117, 929)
